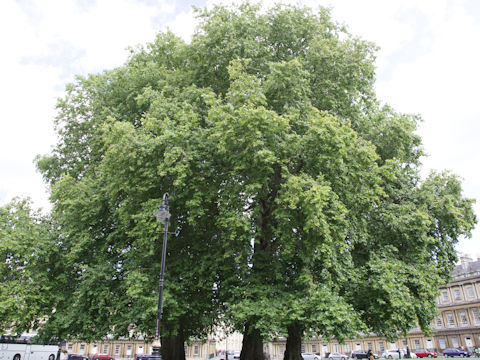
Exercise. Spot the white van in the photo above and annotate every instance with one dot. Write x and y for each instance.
(12, 351)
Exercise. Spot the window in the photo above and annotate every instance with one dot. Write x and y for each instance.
(70, 347)
(380, 345)
(314, 348)
(82, 347)
(476, 316)
(417, 344)
(129, 349)
(140, 349)
(470, 292)
(451, 320)
(117, 349)
(463, 318)
(303, 348)
(458, 296)
(369, 346)
(347, 348)
(438, 321)
(454, 341)
(445, 295)
(280, 350)
(393, 346)
(105, 349)
(441, 343)
(358, 346)
(404, 344)
(335, 347)
(195, 350)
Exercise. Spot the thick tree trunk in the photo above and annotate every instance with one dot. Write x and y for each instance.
(173, 348)
(252, 346)
(294, 342)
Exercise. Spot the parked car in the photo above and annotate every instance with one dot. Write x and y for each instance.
(362, 354)
(308, 356)
(391, 354)
(77, 357)
(102, 357)
(147, 357)
(452, 352)
(425, 353)
(231, 355)
(337, 356)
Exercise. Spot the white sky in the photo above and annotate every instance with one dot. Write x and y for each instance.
(428, 64)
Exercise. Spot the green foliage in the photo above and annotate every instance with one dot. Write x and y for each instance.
(27, 266)
(297, 196)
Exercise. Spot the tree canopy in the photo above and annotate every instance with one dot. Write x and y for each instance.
(297, 196)
(28, 267)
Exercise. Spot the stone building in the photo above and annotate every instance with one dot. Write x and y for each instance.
(457, 323)
(128, 349)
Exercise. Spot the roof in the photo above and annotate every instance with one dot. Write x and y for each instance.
(466, 270)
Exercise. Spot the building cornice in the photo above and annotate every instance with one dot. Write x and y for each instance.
(458, 304)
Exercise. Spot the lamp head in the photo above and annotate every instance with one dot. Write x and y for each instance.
(163, 214)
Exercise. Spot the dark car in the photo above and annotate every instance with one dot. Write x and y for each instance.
(77, 357)
(452, 352)
(148, 357)
(361, 354)
(425, 353)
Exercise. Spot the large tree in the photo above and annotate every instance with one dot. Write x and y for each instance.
(297, 197)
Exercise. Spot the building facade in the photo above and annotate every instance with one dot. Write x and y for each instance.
(128, 349)
(458, 322)
(457, 325)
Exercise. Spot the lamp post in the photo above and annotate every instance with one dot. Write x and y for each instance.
(162, 214)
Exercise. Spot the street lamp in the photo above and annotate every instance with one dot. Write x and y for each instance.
(163, 215)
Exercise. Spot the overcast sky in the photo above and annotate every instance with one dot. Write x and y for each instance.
(428, 64)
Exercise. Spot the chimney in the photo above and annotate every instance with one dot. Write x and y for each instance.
(465, 259)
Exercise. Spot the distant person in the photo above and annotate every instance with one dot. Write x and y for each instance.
(370, 355)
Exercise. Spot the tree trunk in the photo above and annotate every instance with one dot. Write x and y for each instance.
(173, 348)
(252, 345)
(294, 342)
